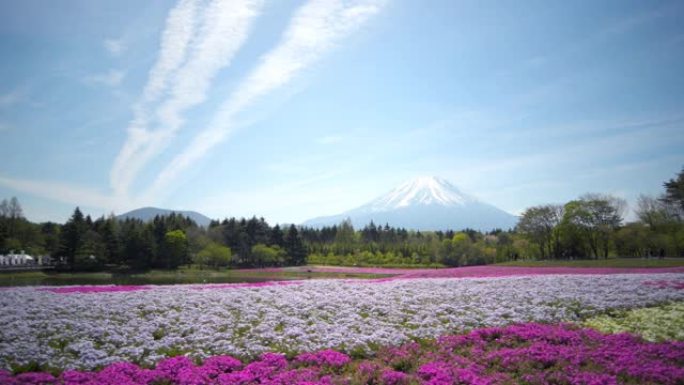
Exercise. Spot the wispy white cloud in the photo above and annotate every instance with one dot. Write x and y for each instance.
(178, 31)
(115, 47)
(61, 192)
(181, 24)
(197, 43)
(193, 50)
(113, 78)
(313, 30)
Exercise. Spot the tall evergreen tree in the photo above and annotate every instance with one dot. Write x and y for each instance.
(277, 237)
(674, 190)
(294, 247)
(71, 238)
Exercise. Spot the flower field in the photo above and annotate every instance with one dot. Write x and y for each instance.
(659, 323)
(388, 331)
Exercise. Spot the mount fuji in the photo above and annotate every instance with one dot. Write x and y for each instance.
(424, 203)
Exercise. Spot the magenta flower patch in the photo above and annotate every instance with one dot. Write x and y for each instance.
(527, 354)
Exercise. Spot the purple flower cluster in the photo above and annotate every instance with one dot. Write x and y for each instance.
(328, 357)
(489, 271)
(531, 354)
(666, 284)
(221, 370)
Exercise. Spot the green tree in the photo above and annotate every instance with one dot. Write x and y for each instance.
(455, 251)
(175, 249)
(139, 246)
(268, 255)
(277, 237)
(674, 190)
(345, 238)
(72, 237)
(634, 240)
(113, 249)
(596, 217)
(50, 232)
(214, 255)
(90, 255)
(655, 213)
(540, 225)
(294, 247)
(14, 210)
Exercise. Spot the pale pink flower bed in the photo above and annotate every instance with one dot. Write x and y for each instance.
(492, 271)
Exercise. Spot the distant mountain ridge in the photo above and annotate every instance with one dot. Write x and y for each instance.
(424, 203)
(148, 213)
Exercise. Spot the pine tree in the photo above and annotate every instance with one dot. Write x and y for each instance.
(277, 237)
(71, 238)
(294, 247)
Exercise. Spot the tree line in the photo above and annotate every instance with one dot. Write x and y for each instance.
(588, 227)
(591, 227)
(165, 242)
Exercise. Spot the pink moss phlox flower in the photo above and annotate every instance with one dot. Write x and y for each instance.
(274, 360)
(594, 379)
(393, 377)
(326, 357)
(408, 350)
(171, 368)
(436, 373)
(492, 271)
(75, 377)
(368, 369)
(269, 365)
(236, 378)
(665, 284)
(127, 373)
(470, 377)
(5, 375)
(533, 354)
(33, 378)
(214, 366)
(299, 376)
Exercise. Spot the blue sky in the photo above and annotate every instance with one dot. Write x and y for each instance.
(294, 109)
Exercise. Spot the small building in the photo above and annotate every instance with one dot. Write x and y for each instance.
(23, 259)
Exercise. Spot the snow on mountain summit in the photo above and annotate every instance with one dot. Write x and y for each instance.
(424, 190)
(424, 203)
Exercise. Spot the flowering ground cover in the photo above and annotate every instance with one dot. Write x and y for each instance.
(91, 330)
(485, 271)
(659, 323)
(531, 354)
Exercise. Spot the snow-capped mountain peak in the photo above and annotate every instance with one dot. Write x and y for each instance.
(424, 190)
(424, 203)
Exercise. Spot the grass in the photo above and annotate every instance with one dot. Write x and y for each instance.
(610, 262)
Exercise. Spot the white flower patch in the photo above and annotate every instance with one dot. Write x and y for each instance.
(91, 330)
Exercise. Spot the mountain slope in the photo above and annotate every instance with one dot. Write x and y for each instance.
(148, 213)
(424, 203)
